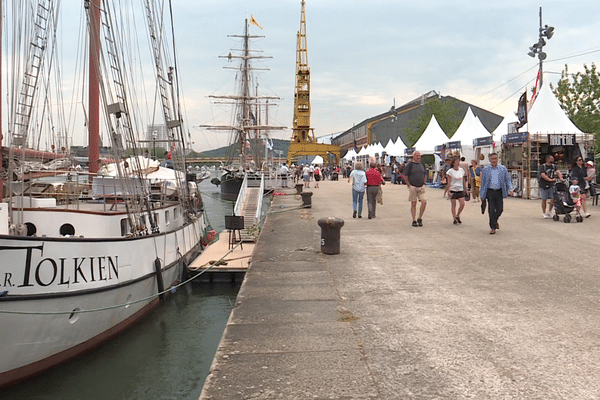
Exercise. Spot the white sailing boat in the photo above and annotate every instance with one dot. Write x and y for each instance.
(247, 127)
(78, 267)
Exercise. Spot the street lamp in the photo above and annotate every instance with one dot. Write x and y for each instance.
(545, 32)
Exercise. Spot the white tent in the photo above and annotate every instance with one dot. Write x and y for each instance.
(363, 152)
(502, 129)
(547, 117)
(431, 137)
(389, 147)
(399, 147)
(317, 160)
(351, 153)
(470, 128)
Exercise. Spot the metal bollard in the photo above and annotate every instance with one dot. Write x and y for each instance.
(330, 234)
(299, 187)
(306, 199)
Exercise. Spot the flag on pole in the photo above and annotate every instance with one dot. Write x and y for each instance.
(536, 90)
(522, 110)
(253, 21)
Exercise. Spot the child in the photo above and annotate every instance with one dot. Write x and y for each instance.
(575, 192)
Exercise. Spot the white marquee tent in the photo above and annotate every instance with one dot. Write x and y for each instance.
(431, 137)
(470, 128)
(502, 129)
(547, 117)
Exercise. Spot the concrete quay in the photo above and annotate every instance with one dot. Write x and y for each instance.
(436, 312)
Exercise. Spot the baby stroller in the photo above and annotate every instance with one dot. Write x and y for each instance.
(563, 204)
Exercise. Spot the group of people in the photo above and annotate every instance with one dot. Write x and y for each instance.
(308, 173)
(581, 184)
(493, 182)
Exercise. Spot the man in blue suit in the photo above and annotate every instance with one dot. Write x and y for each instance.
(495, 186)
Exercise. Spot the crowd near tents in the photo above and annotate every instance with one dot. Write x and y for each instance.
(523, 145)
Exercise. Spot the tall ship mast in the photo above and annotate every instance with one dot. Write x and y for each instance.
(247, 126)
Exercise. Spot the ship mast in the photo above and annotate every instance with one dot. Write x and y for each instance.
(244, 119)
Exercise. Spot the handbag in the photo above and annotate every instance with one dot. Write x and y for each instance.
(379, 197)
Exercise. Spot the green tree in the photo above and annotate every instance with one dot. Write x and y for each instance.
(579, 96)
(446, 114)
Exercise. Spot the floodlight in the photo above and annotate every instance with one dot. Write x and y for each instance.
(531, 54)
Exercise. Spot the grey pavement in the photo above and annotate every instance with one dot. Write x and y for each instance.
(436, 312)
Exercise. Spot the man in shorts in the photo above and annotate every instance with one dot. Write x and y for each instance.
(548, 176)
(415, 175)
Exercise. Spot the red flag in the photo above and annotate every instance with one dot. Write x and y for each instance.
(536, 89)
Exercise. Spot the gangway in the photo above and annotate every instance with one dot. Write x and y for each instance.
(249, 205)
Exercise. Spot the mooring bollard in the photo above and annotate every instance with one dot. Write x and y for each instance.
(299, 188)
(306, 201)
(330, 234)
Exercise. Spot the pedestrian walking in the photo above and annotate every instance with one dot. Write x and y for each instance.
(457, 182)
(359, 184)
(284, 175)
(475, 176)
(548, 176)
(415, 175)
(317, 175)
(306, 176)
(374, 180)
(495, 186)
(579, 171)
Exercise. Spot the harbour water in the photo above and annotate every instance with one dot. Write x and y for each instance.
(165, 356)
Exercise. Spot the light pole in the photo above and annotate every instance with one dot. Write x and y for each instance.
(545, 32)
(154, 135)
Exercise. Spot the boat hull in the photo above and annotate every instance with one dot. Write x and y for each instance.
(67, 296)
(231, 185)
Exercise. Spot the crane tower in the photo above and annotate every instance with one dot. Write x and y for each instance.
(303, 138)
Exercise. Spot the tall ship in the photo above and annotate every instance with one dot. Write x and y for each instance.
(249, 127)
(84, 254)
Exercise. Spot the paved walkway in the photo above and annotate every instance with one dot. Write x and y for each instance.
(438, 312)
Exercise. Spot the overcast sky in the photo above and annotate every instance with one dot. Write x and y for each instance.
(364, 54)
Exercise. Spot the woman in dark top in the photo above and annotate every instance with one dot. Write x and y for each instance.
(579, 171)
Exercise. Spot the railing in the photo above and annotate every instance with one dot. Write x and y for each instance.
(239, 203)
(260, 196)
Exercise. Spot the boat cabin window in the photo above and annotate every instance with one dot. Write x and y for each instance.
(31, 229)
(167, 217)
(67, 230)
(124, 227)
(175, 214)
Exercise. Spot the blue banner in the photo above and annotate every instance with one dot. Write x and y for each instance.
(453, 145)
(483, 141)
(408, 151)
(515, 137)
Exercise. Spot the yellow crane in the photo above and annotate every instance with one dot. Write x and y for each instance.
(303, 138)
